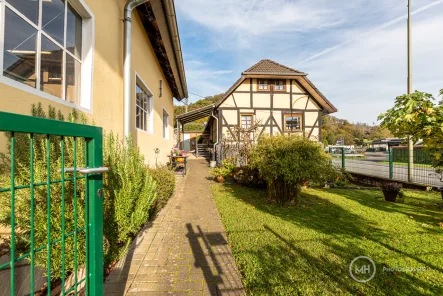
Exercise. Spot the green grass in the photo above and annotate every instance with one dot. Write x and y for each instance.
(306, 249)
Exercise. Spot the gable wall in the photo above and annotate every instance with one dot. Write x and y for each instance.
(268, 109)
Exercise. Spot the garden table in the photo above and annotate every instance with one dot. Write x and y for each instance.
(179, 159)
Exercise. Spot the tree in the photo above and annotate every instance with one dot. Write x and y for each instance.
(416, 115)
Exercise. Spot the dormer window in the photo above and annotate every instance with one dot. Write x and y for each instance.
(263, 84)
(279, 85)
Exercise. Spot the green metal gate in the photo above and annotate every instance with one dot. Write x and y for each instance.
(42, 132)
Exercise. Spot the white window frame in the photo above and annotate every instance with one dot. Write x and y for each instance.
(165, 132)
(88, 30)
(142, 85)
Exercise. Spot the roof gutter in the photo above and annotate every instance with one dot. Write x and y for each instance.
(127, 62)
(171, 23)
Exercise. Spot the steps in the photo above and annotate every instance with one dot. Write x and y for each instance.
(202, 150)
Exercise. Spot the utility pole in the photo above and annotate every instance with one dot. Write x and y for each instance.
(410, 141)
(186, 105)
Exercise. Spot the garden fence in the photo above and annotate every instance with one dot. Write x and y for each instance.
(390, 165)
(48, 193)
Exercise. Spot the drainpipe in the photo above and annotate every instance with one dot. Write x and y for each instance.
(215, 144)
(127, 20)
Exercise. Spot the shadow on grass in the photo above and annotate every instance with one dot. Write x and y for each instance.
(423, 210)
(311, 266)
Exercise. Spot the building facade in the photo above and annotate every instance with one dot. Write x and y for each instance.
(71, 55)
(269, 97)
(278, 99)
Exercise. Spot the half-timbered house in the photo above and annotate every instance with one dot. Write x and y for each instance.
(276, 98)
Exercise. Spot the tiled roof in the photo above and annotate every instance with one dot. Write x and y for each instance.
(270, 67)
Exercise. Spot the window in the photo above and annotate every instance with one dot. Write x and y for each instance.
(143, 109)
(165, 125)
(279, 85)
(263, 84)
(42, 42)
(246, 120)
(292, 122)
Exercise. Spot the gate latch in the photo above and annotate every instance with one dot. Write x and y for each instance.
(85, 171)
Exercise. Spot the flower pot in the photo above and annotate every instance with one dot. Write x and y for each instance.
(390, 195)
(220, 179)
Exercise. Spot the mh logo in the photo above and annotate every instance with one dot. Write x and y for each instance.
(362, 269)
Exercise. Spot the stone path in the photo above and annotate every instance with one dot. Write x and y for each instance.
(184, 251)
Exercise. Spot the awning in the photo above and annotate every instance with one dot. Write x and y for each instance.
(195, 114)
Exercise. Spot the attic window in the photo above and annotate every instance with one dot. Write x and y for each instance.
(279, 85)
(263, 84)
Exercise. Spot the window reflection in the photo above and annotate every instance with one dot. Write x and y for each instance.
(27, 7)
(19, 49)
(53, 19)
(74, 32)
(51, 68)
(73, 79)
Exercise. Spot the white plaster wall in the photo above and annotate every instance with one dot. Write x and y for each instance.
(296, 88)
(312, 105)
(230, 116)
(299, 101)
(244, 86)
(229, 102)
(262, 116)
(282, 101)
(261, 100)
(243, 100)
(310, 118)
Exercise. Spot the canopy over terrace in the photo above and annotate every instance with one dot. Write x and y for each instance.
(191, 116)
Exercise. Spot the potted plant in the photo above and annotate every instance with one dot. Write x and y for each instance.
(391, 190)
(220, 174)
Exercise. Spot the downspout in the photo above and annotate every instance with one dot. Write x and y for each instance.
(216, 143)
(127, 62)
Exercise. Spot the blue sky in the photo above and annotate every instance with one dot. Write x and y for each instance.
(354, 51)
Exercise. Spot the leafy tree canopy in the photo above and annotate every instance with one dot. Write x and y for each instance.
(333, 129)
(417, 115)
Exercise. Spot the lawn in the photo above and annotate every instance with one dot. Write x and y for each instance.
(307, 249)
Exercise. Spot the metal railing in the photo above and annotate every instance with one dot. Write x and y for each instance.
(390, 165)
(49, 135)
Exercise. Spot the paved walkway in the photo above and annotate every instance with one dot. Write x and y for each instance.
(184, 251)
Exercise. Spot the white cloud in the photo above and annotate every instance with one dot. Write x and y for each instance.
(363, 78)
(362, 73)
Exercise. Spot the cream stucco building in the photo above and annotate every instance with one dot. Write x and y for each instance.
(71, 55)
(279, 99)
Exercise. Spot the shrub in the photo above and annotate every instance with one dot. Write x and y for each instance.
(165, 180)
(248, 176)
(22, 196)
(287, 162)
(130, 193)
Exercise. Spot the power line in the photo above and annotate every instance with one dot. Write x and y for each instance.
(198, 95)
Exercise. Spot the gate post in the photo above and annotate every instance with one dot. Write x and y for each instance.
(343, 158)
(94, 265)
